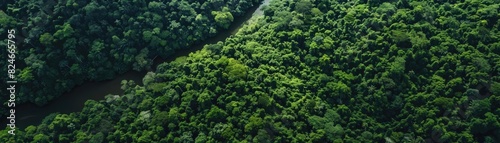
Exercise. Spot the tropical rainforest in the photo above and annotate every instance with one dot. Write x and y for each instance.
(306, 71)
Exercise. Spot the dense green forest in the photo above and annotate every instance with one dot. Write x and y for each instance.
(314, 71)
(64, 43)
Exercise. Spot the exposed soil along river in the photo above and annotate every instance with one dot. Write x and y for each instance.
(73, 101)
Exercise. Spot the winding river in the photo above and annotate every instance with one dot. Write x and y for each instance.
(73, 101)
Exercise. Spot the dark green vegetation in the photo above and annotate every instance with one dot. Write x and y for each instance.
(323, 71)
(64, 43)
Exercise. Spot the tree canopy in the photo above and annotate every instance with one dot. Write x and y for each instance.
(359, 71)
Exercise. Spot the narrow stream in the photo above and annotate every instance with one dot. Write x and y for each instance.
(73, 101)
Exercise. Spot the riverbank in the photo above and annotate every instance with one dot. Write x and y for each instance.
(73, 101)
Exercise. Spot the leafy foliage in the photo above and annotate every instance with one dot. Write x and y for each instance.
(363, 71)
